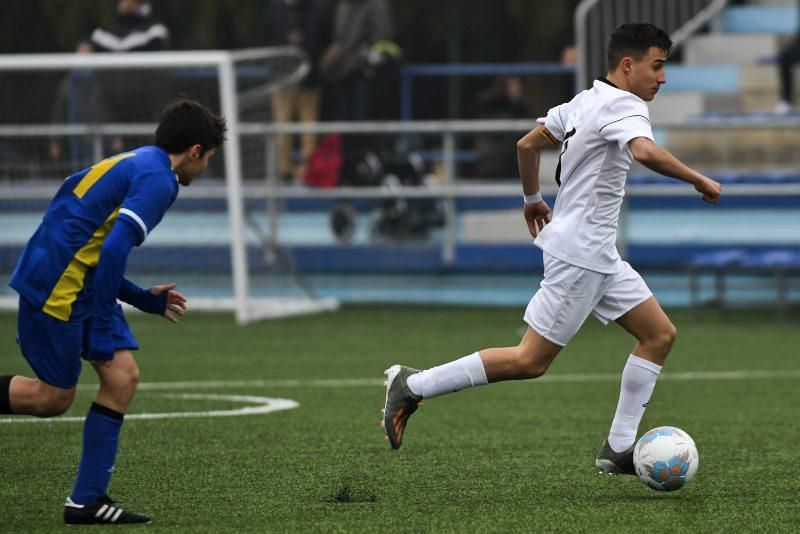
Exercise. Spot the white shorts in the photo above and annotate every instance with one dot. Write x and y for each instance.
(568, 294)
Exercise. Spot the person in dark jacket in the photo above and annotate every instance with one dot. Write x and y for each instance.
(132, 30)
(361, 28)
(789, 56)
(130, 95)
(110, 95)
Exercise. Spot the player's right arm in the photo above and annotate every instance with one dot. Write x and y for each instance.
(537, 214)
(659, 159)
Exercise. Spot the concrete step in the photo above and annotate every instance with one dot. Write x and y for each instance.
(716, 48)
(759, 77)
(764, 148)
(676, 107)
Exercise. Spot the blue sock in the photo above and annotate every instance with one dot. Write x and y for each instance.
(100, 440)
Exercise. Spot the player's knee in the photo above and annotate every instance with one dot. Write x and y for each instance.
(130, 379)
(662, 341)
(124, 381)
(531, 366)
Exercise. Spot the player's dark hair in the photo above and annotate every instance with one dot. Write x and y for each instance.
(185, 123)
(634, 40)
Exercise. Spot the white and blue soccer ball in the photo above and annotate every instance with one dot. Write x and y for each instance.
(666, 458)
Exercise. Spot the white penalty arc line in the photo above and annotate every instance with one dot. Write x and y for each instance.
(364, 382)
(262, 405)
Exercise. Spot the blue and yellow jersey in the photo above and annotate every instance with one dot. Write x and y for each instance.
(56, 268)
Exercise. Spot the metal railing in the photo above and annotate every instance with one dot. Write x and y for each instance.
(448, 189)
(596, 19)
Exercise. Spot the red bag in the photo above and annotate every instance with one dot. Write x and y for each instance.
(325, 163)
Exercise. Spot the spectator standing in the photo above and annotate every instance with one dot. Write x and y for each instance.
(306, 24)
(495, 153)
(132, 30)
(129, 95)
(788, 57)
(359, 25)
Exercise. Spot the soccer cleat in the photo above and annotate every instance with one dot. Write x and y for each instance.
(401, 402)
(104, 511)
(609, 462)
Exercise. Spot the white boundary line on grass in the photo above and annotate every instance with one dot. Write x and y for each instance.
(269, 404)
(364, 382)
(262, 405)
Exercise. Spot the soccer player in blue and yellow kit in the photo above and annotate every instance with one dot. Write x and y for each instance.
(71, 275)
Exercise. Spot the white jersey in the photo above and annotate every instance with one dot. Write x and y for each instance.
(595, 128)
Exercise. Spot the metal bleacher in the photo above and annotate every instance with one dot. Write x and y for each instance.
(716, 113)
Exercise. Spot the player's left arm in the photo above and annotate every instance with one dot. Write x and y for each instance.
(110, 284)
(108, 277)
(536, 212)
(162, 299)
(659, 159)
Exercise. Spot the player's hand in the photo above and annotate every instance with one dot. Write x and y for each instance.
(537, 215)
(176, 302)
(709, 189)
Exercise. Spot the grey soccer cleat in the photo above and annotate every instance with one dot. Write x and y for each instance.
(400, 403)
(609, 462)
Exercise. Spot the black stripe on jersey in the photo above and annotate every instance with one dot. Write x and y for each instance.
(622, 119)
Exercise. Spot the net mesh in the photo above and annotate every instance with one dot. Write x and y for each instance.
(57, 121)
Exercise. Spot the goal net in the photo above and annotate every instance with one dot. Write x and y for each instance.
(64, 112)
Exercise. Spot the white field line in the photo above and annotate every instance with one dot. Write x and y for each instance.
(262, 405)
(364, 382)
(268, 404)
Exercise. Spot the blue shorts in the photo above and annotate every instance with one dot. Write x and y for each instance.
(54, 348)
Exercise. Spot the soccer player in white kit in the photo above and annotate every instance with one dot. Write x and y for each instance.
(600, 130)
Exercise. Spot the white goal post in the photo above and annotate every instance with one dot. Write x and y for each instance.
(272, 68)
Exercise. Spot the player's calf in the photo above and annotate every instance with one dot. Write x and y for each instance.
(530, 359)
(30, 396)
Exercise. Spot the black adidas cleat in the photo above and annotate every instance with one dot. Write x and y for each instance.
(103, 512)
(609, 462)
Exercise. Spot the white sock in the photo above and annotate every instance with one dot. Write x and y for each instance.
(638, 380)
(448, 378)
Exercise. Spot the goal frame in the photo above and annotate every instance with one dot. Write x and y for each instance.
(246, 309)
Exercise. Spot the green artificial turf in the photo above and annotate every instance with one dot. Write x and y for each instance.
(513, 457)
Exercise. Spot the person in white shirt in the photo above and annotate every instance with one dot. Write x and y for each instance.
(600, 131)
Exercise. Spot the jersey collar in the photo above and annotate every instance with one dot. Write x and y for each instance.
(606, 80)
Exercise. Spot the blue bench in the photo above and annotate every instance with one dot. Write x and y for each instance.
(780, 263)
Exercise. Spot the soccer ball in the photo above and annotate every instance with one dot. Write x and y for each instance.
(665, 458)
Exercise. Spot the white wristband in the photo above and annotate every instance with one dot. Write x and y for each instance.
(533, 199)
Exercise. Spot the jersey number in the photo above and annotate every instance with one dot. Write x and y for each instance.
(566, 144)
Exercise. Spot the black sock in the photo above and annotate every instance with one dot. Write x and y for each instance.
(108, 412)
(5, 394)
